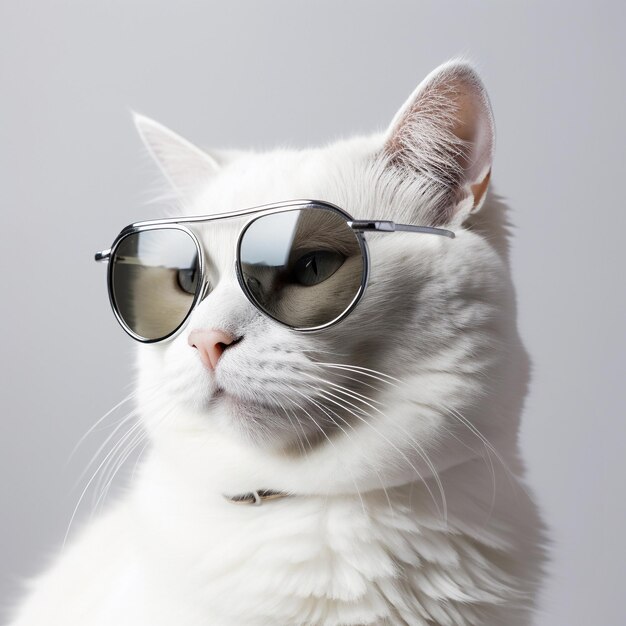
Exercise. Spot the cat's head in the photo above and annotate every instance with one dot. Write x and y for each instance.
(364, 402)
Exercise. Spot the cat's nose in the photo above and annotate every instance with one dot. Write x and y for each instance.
(210, 344)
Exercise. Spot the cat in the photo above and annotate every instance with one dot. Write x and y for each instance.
(387, 443)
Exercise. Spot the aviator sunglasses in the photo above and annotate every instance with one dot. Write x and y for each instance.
(304, 264)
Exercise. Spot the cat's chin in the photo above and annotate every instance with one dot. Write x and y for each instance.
(243, 410)
(256, 421)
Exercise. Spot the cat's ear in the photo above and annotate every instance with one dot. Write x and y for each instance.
(445, 133)
(185, 166)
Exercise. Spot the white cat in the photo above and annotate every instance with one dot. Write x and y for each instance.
(390, 438)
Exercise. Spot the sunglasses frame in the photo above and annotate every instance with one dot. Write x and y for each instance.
(179, 223)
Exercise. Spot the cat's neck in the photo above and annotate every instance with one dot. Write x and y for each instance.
(330, 552)
(468, 494)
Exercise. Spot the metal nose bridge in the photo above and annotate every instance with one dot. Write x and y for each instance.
(206, 287)
(222, 272)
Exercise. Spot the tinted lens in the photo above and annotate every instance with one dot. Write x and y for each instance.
(303, 267)
(155, 275)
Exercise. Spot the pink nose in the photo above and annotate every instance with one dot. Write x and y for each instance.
(210, 344)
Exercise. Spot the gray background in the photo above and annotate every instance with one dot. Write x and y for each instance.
(238, 74)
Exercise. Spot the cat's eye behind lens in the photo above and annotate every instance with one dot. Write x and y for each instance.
(154, 281)
(303, 267)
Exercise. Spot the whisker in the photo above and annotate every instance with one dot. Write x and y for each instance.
(488, 446)
(131, 446)
(294, 427)
(416, 447)
(119, 444)
(386, 378)
(144, 447)
(351, 427)
(121, 424)
(360, 381)
(461, 418)
(331, 443)
(337, 386)
(130, 396)
(394, 446)
(320, 351)
(84, 491)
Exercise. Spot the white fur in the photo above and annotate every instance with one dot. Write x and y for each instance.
(412, 509)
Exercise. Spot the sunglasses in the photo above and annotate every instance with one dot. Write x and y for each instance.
(303, 263)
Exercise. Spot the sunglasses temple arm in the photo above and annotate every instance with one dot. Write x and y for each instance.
(385, 226)
(102, 256)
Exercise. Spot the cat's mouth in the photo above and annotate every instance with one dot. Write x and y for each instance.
(232, 400)
(219, 392)
(221, 397)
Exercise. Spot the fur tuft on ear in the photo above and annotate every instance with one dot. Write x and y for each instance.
(184, 165)
(445, 133)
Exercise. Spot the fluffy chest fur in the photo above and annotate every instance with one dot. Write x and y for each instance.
(385, 557)
(167, 554)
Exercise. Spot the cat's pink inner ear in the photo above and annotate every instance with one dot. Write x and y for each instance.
(479, 190)
(445, 133)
